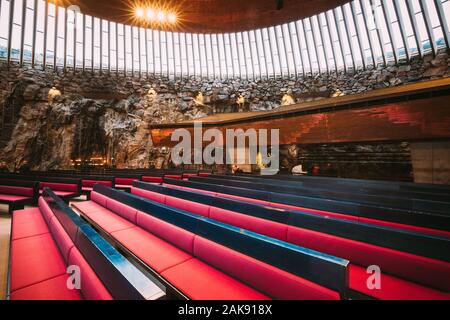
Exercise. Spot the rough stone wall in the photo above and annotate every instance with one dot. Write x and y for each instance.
(109, 115)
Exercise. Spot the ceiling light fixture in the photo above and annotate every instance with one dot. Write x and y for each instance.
(172, 17)
(139, 12)
(161, 16)
(152, 15)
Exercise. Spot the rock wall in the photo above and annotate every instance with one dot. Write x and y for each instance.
(108, 115)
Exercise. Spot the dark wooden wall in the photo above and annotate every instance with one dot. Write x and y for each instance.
(421, 119)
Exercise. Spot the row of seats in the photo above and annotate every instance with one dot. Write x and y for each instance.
(48, 239)
(405, 274)
(424, 202)
(204, 259)
(66, 188)
(434, 224)
(17, 194)
(380, 185)
(115, 179)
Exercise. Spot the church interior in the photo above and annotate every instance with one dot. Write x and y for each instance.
(225, 150)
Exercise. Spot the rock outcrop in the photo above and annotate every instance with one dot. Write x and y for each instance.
(108, 115)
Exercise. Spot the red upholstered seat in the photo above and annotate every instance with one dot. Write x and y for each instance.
(175, 235)
(190, 206)
(420, 269)
(125, 181)
(86, 183)
(401, 226)
(262, 226)
(52, 289)
(154, 196)
(62, 239)
(91, 286)
(270, 280)
(173, 176)
(38, 261)
(155, 252)
(151, 179)
(200, 281)
(69, 187)
(188, 175)
(320, 212)
(108, 220)
(12, 198)
(18, 191)
(435, 232)
(45, 210)
(122, 210)
(60, 193)
(33, 260)
(123, 186)
(392, 288)
(204, 174)
(89, 206)
(33, 225)
(23, 216)
(99, 198)
(211, 193)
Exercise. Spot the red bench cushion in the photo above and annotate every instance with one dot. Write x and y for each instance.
(175, 235)
(62, 239)
(11, 198)
(99, 198)
(34, 260)
(152, 179)
(90, 183)
(17, 191)
(272, 281)
(108, 220)
(154, 196)
(69, 187)
(125, 181)
(199, 281)
(392, 288)
(190, 206)
(173, 176)
(122, 210)
(262, 226)
(52, 289)
(417, 268)
(155, 252)
(28, 224)
(91, 286)
(46, 212)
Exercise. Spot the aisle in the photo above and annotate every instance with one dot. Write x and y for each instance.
(5, 229)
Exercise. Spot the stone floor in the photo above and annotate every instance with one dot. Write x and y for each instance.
(5, 230)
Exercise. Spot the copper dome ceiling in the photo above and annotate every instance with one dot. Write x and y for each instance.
(210, 16)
